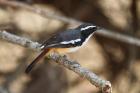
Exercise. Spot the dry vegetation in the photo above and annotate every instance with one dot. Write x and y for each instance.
(111, 59)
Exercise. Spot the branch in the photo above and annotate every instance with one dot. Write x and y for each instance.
(18, 40)
(39, 11)
(104, 85)
(130, 39)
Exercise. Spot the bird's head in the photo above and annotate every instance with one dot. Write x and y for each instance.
(87, 29)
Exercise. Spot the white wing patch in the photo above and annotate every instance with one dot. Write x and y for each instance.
(71, 41)
(49, 45)
(42, 47)
(87, 27)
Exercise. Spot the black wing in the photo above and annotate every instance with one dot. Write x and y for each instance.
(58, 39)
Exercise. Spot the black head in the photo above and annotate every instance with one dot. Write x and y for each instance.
(86, 29)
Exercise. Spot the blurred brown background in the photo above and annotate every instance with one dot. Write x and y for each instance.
(111, 59)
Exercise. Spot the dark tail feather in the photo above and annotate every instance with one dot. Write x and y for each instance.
(29, 68)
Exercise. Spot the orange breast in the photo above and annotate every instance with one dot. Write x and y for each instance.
(62, 50)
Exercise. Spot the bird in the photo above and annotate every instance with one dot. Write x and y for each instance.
(65, 42)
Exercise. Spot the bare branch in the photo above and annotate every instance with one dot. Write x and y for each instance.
(104, 85)
(133, 40)
(39, 11)
(18, 40)
(104, 32)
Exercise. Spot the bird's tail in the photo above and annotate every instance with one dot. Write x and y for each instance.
(30, 66)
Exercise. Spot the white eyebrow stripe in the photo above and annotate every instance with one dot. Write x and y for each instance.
(71, 41)
(85, 28)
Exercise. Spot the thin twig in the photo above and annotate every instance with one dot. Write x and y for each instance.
(104, 32)
(104, 85)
